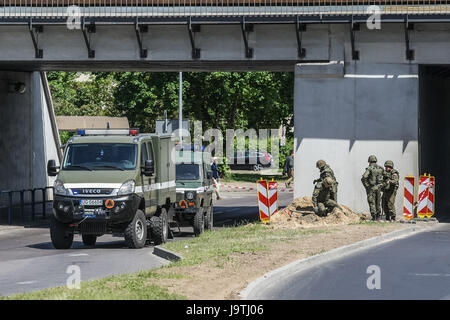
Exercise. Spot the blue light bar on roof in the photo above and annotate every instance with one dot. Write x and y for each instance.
(108, 132)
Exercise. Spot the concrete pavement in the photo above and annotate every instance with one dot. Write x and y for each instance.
(413, 267)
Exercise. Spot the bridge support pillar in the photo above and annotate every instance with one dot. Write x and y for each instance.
(345, 112)
(27, 139)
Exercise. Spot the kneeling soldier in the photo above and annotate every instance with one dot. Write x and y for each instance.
(389, 188)
(324, 198)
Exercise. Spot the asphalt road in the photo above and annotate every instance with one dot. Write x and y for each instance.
(413, 268)
(28, 261)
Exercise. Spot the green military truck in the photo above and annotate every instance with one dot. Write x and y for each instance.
(114, 182)
(194, 205)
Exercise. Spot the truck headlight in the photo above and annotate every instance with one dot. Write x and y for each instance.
(127, 188)
(59, 188)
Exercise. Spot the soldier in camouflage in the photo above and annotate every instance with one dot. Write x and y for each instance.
(324, 199)
(326, 171)
(390, 185)
(372, 180)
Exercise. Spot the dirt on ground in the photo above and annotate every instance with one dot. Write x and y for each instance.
(225, 280)
(300, 214)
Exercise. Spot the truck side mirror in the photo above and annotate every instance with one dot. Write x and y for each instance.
(148, 168)
(209, 174)
(52, 168)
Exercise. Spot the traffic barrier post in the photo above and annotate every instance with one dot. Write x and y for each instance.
(422, 209)
(408, 197)
(431, 196)
(267, 199)
(263, 201)
(273, 197)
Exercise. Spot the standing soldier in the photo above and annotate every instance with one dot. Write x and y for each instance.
(324, 199)
(215, 177)
(390, 186)
(372, 180)
(326, 171)
(289, 168)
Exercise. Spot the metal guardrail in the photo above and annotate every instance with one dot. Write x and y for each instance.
(10, 204)
(60, 9)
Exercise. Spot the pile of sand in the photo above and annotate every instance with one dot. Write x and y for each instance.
(300, 214)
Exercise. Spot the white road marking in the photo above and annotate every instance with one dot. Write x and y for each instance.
(26, 282)
(431, 274)
(78, 255)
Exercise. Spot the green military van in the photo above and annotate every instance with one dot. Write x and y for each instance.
(114, 182)
(194, 205)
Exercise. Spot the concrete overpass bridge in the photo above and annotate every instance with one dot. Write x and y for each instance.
(359, 90)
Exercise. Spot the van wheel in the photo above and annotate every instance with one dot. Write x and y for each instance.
(257, 167)
(59, 233)
(136, 231)
(209, 220)
(160, 227)
(199, 224)
(89, 239)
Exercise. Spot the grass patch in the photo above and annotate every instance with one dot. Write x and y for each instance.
(220, 244)
(121, 287)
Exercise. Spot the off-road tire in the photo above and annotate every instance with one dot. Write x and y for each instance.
(89, 239)
(209, 218)
(199, 224)
(159, 227)
(136, 231)
(61, 239)
(257, 167)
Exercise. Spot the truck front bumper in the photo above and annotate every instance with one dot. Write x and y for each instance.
(112, 210)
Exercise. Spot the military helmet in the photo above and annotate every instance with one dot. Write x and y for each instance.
(372, 158)
(320, 164)
(328, 181)
(389, 163)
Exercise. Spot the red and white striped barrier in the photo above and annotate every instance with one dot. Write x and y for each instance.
(273, 197)
(263, 201)
(408, 198)
(267, 199)
(424, 194)
(424, 182)
(431, 192)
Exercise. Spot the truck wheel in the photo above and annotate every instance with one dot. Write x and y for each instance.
(136, 231)
(199, 224)
(160, 227)
(89, 239)
(209, 220)
(61, 239)
(257, 167)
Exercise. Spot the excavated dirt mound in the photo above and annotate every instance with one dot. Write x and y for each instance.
(300, 214)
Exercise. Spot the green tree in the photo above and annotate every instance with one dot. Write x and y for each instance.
(82, 94)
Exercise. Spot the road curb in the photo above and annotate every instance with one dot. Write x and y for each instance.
(255, 288)
(166, 254)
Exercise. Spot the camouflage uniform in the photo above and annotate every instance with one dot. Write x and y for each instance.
(326, 171)
(324, 199)
(390, 186)
(372, 180)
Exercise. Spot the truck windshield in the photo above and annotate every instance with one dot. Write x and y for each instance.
(100, 156)
(186, 171)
